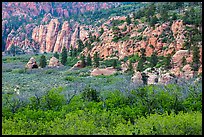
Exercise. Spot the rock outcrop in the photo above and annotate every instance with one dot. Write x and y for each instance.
(137, 78)
(54, 62)
(31, 63)
(78, 65)
(177, 57)
(105, 71)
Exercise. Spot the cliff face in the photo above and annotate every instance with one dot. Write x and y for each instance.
(151, 40)
(38, 21)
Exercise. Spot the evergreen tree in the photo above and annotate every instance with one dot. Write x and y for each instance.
(43, 62)
(101, 31)
(130, 67)
(196, 56)
(128, 20)
(125, 28)
(114, 63)
(167, 62)
(153, 21)
(12, 50)
(140, 65)
(142, 60)
(96, 59)
(143, 55)
(164, 14)
(88, 45)
(83, 63)
(74, 52)
(89, 62)
(153, 60)
(71, 51)
(144, 78)
(64, 56)
(184, 62)
(174, 17)
(56, 55)
(80, 45)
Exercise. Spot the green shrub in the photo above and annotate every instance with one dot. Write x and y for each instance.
(181, 124)
(52, 100)
(49, 71)
(70, 78)
(90, 94)
(20, 71)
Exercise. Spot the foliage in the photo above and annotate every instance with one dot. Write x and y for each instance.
(101, 31)
(184, 62)
(111, 63)
(56, 55)
(145, 110)
(64, 56)
(43, 61)
(96, 59)
(196, 57)
(80, 45)
(88, 60)
(83, 62)
(90, 94)
(153, 59)
(128, 20)
(167, 61)
(114, 63)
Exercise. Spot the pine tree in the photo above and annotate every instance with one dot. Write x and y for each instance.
(153, 21)
(130, 67)
(12, 50)
(140, 65)
(144, 78)
(71, 51)
(167, 62)
(153, 60)
(74, 52)
(64, 56)
(43, 62)
(89, 62)
(83, 63)
(184, 62)
(101, 31)
(56, 55)
(96, 59)
(114, 63)
(196, 56)
(142, 60)
(128, 20)
(80, 45)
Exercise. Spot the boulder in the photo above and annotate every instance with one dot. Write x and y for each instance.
(106, 71)
(77, 65)
(152, 78)
(54, 62)
(31, 63)
(137, 78)
(165, 78)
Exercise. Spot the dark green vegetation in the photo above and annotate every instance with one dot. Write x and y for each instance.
(43, 62)
(52, 100)
(64, 56)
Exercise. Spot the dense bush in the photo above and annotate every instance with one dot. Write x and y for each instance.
(148, 110)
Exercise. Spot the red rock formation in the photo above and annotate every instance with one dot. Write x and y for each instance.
(177, 57)
(106, 71)
(51, 35)
(62, 37)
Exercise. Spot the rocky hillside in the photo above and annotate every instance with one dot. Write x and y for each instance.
(48, 27)
(21, 20)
